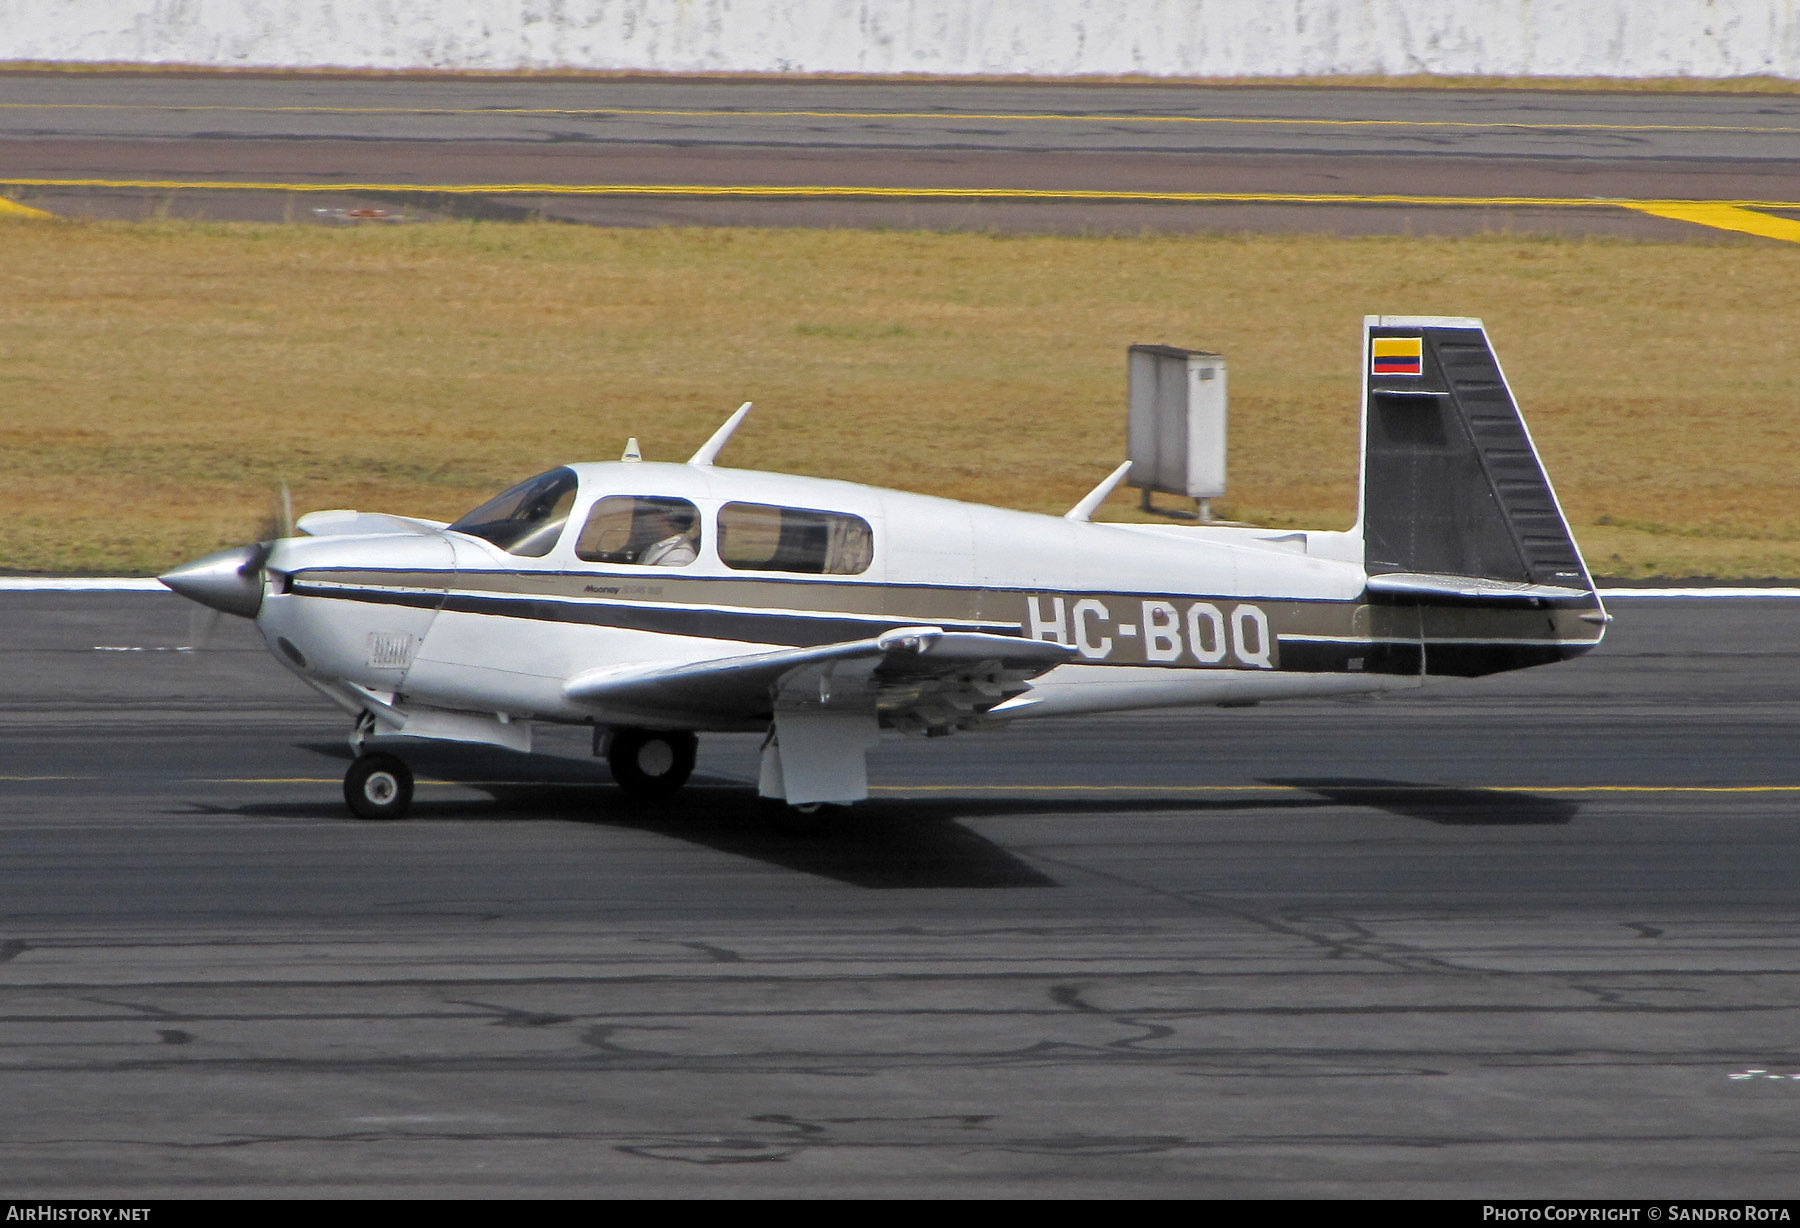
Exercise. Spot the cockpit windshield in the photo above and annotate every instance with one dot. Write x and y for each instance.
(527, 519)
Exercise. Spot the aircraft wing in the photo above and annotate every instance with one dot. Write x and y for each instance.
(923, 674)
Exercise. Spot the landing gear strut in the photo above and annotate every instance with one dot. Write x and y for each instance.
(378, 786)
(650, 764)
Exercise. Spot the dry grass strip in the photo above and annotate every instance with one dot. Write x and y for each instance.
(158, 380)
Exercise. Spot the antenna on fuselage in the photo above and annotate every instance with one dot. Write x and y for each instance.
(710, 448)
(632, 451)
(1087, 507)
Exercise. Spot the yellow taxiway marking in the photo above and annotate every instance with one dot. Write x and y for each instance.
(1347, 787)
(334, 780)
(1735, 215)
(1022, 117)
(1724, 217)
(858, 190)
(12, 208)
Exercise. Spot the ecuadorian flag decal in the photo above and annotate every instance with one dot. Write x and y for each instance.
(1396, 356)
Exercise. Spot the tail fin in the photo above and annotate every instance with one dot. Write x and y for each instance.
(1451, 485)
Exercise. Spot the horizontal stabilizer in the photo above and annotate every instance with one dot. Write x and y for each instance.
(1472, 588)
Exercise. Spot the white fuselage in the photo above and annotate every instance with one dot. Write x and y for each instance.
(1159, 616)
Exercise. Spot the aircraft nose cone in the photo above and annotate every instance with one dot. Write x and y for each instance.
(230, 580)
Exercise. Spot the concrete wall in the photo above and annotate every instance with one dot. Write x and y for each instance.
(1208, 38)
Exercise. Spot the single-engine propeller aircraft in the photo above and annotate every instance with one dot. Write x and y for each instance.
(655, 602)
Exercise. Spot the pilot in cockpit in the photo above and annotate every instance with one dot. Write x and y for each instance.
(678, 543)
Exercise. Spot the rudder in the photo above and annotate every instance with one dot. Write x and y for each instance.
(1451, 482)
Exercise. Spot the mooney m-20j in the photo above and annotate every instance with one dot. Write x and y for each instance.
(655, 602)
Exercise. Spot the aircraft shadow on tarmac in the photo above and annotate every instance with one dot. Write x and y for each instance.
(1451, 807)
(882, 843)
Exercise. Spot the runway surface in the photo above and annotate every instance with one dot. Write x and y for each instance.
(1007, 157)
(1528, 936)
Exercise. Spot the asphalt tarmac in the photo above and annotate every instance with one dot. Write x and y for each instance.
(126, 145)
(1528, 936)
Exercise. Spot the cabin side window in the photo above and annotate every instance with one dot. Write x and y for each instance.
(646, 530)
(527, 519)
(759, 537)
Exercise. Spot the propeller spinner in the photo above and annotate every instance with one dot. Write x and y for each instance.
(231, 581)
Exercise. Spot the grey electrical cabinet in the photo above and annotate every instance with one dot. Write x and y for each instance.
(1175, 438)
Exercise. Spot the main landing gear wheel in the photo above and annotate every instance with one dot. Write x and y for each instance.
(651, 763)
(378, 787)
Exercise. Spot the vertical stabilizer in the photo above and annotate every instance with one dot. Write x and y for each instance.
(1451, 483)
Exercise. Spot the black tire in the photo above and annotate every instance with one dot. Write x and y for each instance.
(651, 763)
(803, 821)
(378, 787)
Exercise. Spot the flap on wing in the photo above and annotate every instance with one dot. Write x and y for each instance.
(914, 651)
(741, 686)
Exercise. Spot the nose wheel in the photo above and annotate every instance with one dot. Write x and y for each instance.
(378, 786)
(651, 763)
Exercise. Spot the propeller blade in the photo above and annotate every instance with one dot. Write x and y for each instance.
(203, 621)
(279, 521)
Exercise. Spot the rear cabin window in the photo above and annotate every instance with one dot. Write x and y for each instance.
(527, 519)
(649, 531)
(758, 537)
